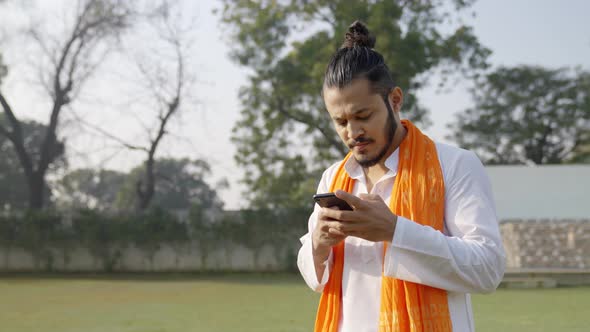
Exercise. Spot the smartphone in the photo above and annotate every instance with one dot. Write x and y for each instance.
(330, 200)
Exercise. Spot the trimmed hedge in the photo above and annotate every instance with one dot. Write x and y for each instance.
(47, 234)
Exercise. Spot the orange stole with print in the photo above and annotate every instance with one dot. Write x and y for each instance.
(418, 194)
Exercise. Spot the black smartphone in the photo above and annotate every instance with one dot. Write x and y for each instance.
(330, 200)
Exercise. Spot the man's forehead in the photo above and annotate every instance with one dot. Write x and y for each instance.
(339, 113)
(355, 89)
(339, 102)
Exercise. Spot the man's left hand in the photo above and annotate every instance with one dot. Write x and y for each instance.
(371, 218)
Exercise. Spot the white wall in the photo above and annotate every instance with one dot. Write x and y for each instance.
(548, 191)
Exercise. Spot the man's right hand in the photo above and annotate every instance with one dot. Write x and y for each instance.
(322, 242)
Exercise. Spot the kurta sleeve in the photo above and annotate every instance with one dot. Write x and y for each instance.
(469, 256)
(305, 257)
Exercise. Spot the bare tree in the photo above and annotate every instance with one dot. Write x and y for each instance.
(73, 61)
(164, 80)
(167, 79)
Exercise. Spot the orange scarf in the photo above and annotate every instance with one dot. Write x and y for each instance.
(418, 194)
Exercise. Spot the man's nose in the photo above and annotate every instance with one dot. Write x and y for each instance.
(355, 130)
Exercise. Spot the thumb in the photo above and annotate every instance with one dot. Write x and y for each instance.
(365, 197)
(369, 197)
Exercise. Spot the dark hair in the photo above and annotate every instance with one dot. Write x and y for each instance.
(357, 59)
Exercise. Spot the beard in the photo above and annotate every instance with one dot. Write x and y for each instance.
(389, 131)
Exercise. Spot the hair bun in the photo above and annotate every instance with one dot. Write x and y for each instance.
(358, 35)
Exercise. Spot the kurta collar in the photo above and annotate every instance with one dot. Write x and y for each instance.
(355, 171)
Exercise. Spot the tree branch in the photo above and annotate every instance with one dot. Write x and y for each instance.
(16, 137)
(106, 134)
(334, 143)
(36, 37)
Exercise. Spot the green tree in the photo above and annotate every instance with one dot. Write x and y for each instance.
(528, 114)
(284, 137)
(180, 183)
(12, 177)
(89, 189)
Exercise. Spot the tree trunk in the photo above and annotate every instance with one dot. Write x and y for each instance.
(145, 187)
(36, 191)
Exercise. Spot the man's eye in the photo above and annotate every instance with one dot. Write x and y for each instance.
(364, 118)
(341, 123)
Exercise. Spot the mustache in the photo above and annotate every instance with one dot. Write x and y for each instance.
(361, 140)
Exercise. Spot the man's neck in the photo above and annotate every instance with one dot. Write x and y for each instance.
(374, 173)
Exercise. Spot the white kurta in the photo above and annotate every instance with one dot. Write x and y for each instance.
(467, 258)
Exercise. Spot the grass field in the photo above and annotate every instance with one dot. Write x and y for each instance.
(240, 302)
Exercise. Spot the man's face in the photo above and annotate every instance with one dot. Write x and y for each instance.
(362, 121)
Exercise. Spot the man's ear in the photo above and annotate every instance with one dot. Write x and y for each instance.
(396, 98)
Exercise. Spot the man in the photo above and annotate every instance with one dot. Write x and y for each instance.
(423, 232)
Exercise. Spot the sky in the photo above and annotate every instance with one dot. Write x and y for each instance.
(547, 33)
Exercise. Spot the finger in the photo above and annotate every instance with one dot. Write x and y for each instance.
(324, 214)
(346, 216)
(349, 228)
(351, 199)
(331, 235)
(336, 225)
(321, 216)
(324, 228)
(369, 197)
(335, 233)
(329, 214)
(332, 225)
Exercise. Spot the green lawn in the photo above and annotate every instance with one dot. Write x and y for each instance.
(241, 302)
